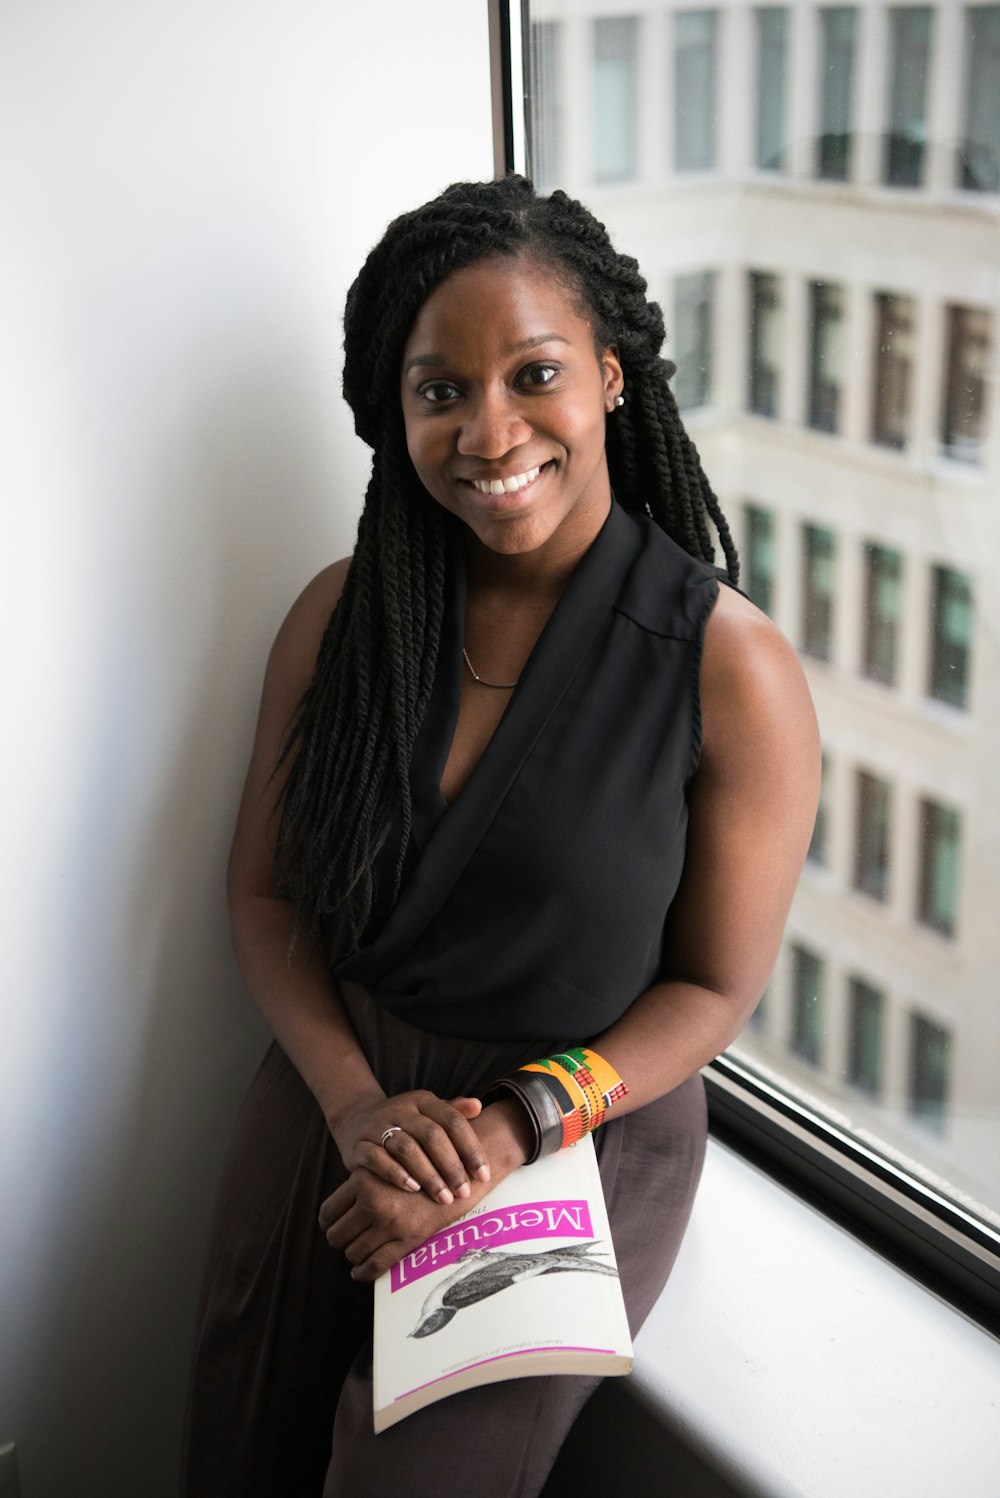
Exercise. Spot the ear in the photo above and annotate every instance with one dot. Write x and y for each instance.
(614, 380)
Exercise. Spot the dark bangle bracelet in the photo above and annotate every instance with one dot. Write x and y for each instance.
(541, 1108)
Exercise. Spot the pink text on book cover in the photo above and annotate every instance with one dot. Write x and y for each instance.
(556, 1219)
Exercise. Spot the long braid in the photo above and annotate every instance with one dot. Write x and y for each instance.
(350, 746)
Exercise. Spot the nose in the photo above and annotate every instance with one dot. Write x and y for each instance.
(492, 425)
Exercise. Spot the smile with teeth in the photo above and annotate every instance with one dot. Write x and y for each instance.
(506, 486)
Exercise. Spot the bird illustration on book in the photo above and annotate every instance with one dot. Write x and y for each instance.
(484, 1271)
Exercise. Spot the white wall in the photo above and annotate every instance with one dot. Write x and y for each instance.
(189, 188)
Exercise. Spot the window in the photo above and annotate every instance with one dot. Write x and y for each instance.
(883, 590)
(694, 90)
(865, 1037)
(909, 54)
(757, 577)
(951, 636)
(930, 1060)
(979, 153)
(937, 897)
(693, 325)
(838, 25)
(819, 550)
(969, 340)
(544, 122)
(772, 32)
(894, 351)
(616, 46)
(765, 343)
(807, 1005)
(818, 842)
(872, 832)
(826, 356)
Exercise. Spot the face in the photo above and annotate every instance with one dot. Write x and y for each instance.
(504, 399)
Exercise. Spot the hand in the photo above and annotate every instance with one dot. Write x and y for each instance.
(377, 1224)
(432, 1147)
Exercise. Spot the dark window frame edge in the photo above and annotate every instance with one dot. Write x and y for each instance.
(937, 1245)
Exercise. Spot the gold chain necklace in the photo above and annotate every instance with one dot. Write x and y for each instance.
(500, 686)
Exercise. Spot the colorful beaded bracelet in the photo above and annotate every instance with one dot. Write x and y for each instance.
(565, 1096)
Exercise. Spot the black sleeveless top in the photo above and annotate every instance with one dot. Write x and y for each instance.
(534, 905)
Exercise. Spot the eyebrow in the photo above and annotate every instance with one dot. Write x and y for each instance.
(438, 361)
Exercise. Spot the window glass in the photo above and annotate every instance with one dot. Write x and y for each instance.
(771, 23)
(872, 835)
(819, 550)
(848, 424)
(979, 154)
(970, 342)
(951, 636)
(694, 90)
(838, 24)
(909, 57)
(616, 47)
(893, 369)
(883, 601)
(693, 338)
(757, 576)
(940, 831)
(765, 335)
(864, 1047)
(826, 356)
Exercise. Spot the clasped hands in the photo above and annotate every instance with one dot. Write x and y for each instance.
(404, 1184)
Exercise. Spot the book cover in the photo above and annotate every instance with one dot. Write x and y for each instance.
(526, 1283)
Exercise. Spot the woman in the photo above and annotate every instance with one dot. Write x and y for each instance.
(538, 781)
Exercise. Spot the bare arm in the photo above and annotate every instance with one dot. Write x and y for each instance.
(295, 990)
(752, 808)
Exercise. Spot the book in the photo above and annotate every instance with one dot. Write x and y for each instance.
(526, 1283)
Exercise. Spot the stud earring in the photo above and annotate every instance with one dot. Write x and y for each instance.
(619, 400)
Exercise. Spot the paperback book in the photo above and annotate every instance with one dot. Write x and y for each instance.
(524, 1284)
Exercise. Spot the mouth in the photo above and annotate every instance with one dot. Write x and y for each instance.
(510, 485)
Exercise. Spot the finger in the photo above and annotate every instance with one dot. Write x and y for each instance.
(451, 1142)
(336, 1205)
(349, 1227)
(404, 1150)
(469, 1107)
(381, 1260)
(377, 1159)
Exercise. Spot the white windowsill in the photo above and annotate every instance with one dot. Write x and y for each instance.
(798, 1362)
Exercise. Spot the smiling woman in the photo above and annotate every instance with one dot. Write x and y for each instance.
(441, 874)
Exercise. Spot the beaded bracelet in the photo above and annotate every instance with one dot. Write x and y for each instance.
(565, 1096)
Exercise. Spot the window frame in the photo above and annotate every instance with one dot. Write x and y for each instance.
(953, 1253)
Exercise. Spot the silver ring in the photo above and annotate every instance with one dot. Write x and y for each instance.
(394, 1129)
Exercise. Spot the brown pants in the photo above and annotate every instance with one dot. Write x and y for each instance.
(280, 1404)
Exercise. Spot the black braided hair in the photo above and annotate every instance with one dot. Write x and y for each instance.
(352, 739)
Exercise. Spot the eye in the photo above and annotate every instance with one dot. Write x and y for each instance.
(538, 374)
(438, 392)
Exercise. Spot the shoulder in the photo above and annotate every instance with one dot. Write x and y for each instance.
(754, 695)
(296, 646)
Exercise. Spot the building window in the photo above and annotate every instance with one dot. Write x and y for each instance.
(940, 838)
(765, 343)
(694, 90)
(826, 355)
(772, 46)
(544, 123)
(979, 153)
(693, 296)
(818, 842)
(757, 576)
(837, 39)
(616, 77)
(865, 1037)
(951, 636)
(969, 341)
(872, 832)
(909, 52)
(883, 599)
(894, 325)
(930, 1061)
(819, 553)
(807, 1005)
